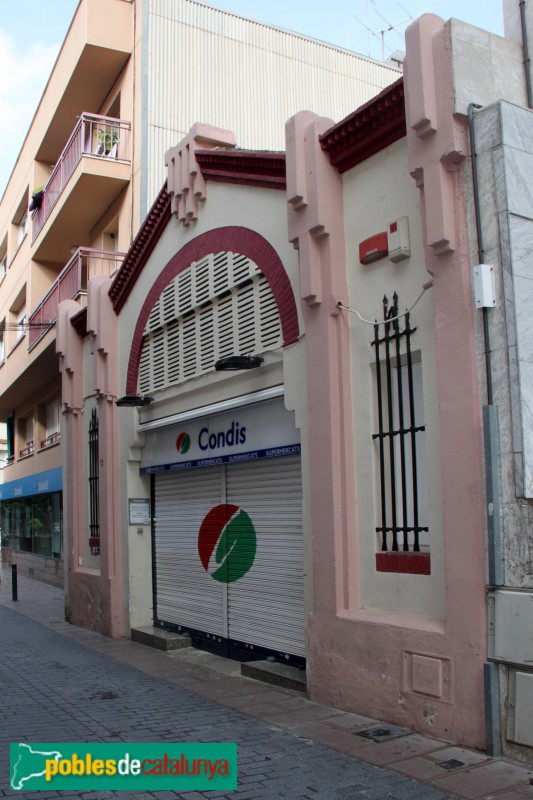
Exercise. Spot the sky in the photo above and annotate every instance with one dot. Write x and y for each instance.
(31, 33)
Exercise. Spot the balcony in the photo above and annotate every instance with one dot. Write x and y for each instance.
(89, 175)
(97, 49)
(71, 284)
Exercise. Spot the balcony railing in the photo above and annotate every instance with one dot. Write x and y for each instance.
(26, 451)
(51, 439)
(100, 137)
(70, 284)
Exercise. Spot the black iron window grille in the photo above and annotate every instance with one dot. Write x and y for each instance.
(94, 494)
(401, 434)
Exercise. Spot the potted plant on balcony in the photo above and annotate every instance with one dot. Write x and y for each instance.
(108, 139)
(36, 198)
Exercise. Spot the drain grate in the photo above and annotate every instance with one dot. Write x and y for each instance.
(384, 734)
(452, 763)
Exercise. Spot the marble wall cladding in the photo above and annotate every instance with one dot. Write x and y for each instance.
(521, 240)
(504, 147)
(526, 380)
(486, 67)
(521, 247)
(489, 133)
(512, 25)
(487, 189)
(516, 126)
(519, 181)
(500, 185)
(508, 73)
(518, 539)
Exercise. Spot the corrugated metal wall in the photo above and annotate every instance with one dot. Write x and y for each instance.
(209, 66)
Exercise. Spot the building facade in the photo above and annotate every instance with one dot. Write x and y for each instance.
(354, 497)
(89, 169)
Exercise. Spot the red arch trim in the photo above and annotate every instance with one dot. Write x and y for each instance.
(233, 239)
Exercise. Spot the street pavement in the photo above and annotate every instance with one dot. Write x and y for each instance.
(59, 683)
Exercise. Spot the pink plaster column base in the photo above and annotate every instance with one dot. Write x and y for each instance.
(407, 676)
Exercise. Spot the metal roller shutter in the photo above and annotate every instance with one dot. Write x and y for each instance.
(184, 594)
(264, 606)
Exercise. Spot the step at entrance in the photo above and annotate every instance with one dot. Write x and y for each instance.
(160, 638)
(276, 674)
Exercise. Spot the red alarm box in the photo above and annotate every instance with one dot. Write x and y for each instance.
(374, 248)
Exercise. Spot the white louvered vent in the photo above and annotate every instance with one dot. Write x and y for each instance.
(219, 306)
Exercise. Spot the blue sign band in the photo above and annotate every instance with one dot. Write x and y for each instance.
(51, 480)
(215, 461)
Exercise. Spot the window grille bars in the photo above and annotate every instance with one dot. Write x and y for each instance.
(397, 431)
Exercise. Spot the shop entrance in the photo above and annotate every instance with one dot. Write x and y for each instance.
(228, 557)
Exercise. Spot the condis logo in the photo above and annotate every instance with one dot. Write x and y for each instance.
(227, 543)
(183, 443)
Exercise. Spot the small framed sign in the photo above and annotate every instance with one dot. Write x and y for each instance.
(139, 509)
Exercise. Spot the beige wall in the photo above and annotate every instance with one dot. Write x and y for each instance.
(385, 179)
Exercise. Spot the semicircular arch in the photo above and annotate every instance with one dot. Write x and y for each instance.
(231, 239)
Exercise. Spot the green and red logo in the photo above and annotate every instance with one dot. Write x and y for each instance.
(183, 442)
(227, 543)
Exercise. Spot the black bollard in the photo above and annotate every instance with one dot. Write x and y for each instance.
(14, 588)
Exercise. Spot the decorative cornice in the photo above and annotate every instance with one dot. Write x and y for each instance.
(79, 322)
(143, 244)
(369, 129)
(246, 167)
(185, 182)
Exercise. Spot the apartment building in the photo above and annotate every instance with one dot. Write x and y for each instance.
(131, 78)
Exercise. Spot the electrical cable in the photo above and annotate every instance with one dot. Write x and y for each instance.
(425, 287)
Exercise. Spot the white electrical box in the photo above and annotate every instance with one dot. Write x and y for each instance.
(399, 242)
(519, 727)
(513, 627)
(484, 292)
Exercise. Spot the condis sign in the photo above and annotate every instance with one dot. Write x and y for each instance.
(262, 430)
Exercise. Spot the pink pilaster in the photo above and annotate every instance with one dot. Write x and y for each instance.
(438, 149)
(70, 350)
(94, 595)
(316, 229)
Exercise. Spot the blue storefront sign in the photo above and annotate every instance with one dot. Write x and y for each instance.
(51, 480)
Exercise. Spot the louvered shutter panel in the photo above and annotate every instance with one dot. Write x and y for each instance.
(219, 306)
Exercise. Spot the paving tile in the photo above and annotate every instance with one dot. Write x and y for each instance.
(506, 796)
(351, 721)
(477, 782)
(394, 750)
(468, 757)
(420, 768)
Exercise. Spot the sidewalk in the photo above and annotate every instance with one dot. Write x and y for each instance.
(453, 770)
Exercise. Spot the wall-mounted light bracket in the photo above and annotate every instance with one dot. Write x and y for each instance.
(134, 401)
(238, 362)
